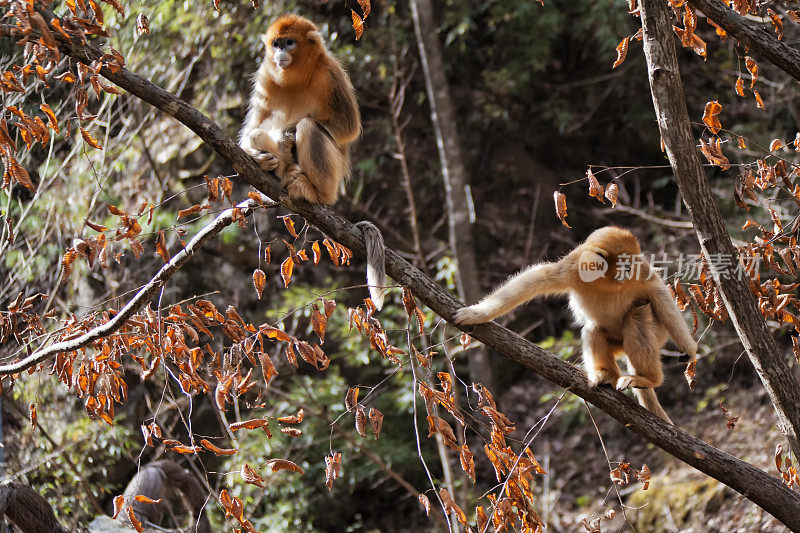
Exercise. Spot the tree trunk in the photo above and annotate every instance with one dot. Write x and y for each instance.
(454, 172)
(673, 122)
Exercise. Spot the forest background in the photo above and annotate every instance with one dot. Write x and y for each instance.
(539, 94)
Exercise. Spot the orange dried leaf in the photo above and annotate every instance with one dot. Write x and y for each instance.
(358, 24)
(351, 399)
(217, 450)
(189, 211)
(710, 117)
(752, 68)
(622, 52)
(425, 503)
(259, 281)
(376, 421)
(248, 424)
(595, 189)
(776, 144)
(286, 270)
(161, 247)
(759, 101)
(740, 86)
(119, 501)
(144, 499)
(284, 464)
(289, 223)
(561, 207)
(250, 476)
(52, 121)
(612, 191)
(133, 520)
(91, 141)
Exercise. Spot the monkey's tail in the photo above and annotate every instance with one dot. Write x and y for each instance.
(647, 399)
(376, 255)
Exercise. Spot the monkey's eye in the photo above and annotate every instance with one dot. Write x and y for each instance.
(290, 43)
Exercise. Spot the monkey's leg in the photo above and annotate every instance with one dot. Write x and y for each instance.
(598, 357)
(321, 165)
(642, 348)
(260, 145)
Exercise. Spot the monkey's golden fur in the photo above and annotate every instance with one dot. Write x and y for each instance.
(633, 316)
(301, 86)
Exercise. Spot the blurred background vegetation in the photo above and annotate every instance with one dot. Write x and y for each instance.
(537, 103)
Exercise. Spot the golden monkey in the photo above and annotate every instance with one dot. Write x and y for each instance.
(300, 86)
(303, 118)
(622, 305)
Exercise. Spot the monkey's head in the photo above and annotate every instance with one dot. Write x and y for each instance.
(294, 45)
(611, 257)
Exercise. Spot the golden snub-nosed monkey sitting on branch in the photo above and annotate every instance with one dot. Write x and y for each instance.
(621, 303)
(302, 120)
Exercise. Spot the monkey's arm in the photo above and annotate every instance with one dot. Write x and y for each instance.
(667, 312)
(343, 120)
(537, 280)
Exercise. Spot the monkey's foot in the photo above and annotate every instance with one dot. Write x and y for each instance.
(471, 315)
(299, 186)
(634, 381)
(265, 160)
(601, 376)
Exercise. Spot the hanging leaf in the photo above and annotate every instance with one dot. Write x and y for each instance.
(143, 24)
(376, 421)
(289, 223)
(752, 67)
(358, 24)
(759, 101)
(622, 52)
(259, 281)
(595, 189)
(283, 464)
(710, 117)
(91, 141)
(740, 86)
(612, 190)
(286, 270)
(561, 207)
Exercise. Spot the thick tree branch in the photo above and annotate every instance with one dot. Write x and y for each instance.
(223, 220)
(764, 490)
(673, 122)
(751, 34)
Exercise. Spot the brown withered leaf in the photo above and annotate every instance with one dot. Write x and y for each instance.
(286, 270)
(776, 144)
(561, 207)
(189, 211)
(66, 263)
(450, 506)
(358, 24)
(316, 251)
(689, 374)
(141, 498)
(32, 415)
(208, 445)
(595, 189)
(366, 8)
(376, 421)
(259, 281)
(612, 191)
(284, 464)
(289, 223)
(52, 121)
(91, 141)
(251, 476)
(333, 464)
(777, 23)
(351, 398)
(319, 323)
(759, 101)
(467, 462)
(752, 68)
(119, 501)
(249, 424)
(361, 420)
(740, 86)
(426, 504)
(710, 116)
(143, 24)
(161, 247)
(292, 432)
(622, 52)
(133, 520)
(292, 419)
(643, 475)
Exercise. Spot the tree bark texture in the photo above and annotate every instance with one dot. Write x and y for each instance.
(454, 172)
(763, 489)
(676, 131)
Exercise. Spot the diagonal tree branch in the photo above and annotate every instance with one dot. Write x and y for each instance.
(763, 489)
(673, 122)
(223, 220)
(751, 34)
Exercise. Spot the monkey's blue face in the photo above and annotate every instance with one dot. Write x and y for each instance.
(281, 51)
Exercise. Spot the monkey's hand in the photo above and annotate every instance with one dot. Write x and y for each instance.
(474, 314)
(689, 349)
(265, 160)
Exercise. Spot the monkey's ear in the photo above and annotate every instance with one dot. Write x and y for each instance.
(315, 37)
(265, 40)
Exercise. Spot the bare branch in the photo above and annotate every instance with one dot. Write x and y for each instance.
(225, 219)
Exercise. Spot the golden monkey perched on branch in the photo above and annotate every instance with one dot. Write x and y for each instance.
(303, 118)
(623, 311)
